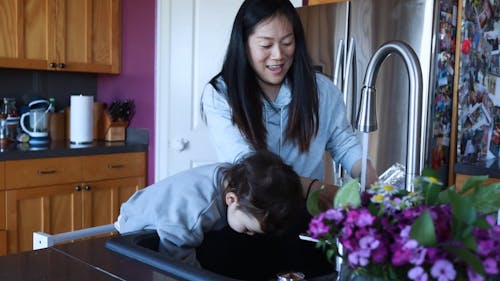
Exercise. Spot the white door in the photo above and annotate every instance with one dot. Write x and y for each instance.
(192, 37)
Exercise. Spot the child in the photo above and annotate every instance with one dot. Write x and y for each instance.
(258, 194)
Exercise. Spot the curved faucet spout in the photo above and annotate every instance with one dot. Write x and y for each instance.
(367, 121)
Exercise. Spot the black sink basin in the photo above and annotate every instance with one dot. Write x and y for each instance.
(143, 246)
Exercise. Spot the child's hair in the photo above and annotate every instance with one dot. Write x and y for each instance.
(267, 189)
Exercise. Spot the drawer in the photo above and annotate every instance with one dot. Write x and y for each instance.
(112, 166)
(41, 172)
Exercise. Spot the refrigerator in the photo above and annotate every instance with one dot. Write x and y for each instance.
(342, 38)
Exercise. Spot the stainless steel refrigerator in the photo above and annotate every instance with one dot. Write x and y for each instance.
(342, 37)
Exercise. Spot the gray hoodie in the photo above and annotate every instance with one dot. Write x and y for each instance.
(181, 208)
(335, 134)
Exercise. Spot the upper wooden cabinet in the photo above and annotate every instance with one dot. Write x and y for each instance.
(61, 35)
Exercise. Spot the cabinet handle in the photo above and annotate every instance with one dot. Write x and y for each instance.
(88, 187)
(46, 172)
(78, 188)
(62, 65)
(53, 65)
(115, 166)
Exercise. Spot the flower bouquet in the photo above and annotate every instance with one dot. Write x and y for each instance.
(431, 233)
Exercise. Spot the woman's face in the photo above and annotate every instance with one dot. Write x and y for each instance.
(238, 220)
(270, 51)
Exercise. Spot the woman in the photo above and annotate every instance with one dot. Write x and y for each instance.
(268, 96)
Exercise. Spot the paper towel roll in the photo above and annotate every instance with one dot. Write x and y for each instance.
(81, 119)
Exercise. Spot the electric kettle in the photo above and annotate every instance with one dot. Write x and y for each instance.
(38, 121)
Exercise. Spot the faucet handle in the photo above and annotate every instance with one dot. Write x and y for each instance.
(367, 114)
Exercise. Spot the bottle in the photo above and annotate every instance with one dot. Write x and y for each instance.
(52, 105)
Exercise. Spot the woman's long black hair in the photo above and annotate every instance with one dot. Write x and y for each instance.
(243, 91)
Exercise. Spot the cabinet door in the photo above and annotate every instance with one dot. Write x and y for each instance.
(51, 209)
(25, 29)
(88, 35)
(102, 199)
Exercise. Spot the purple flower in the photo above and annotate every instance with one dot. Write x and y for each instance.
(490, 266)
(443, 270)
(418, 274)
(359, 257)
(334, 215)
(368, 242)
(365, 218)
(474, 276)
(317, 228)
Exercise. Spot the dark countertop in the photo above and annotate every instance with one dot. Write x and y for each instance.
(479, 167)
(83, 260)
(137, 141)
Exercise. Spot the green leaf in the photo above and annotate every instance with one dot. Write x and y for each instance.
(428, 172)
(431, 194)
(482, 223)
(462, 208)
(348, 194)
(470, 242)
(486, 198)
(472, 183)
(312, 202)
(423, 230)
(468, 257)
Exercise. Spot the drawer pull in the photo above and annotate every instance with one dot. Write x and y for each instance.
(78, 188)
(88, 187)
(115, 166)
(42, 172)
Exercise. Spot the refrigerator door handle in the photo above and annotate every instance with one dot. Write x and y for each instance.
(351, 68)
(338, 65)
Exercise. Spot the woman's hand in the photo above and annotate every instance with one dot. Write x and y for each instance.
(327, 193)
(371, 173)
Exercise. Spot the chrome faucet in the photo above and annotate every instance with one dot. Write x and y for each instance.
(367, 119)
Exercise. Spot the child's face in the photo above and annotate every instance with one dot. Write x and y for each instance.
(238, 220)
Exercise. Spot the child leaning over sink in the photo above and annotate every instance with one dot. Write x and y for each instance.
(258, 194)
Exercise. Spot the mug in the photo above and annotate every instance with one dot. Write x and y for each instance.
(37, 121)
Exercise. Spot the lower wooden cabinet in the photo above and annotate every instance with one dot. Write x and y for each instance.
(51, 209)
(72, 204)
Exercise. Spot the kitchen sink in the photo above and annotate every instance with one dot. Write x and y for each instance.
(143, 246)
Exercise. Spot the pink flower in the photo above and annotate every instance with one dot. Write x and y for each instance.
(443, 270)
(317, 228)
(418, 274)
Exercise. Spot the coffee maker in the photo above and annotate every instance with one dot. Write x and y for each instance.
(38, 121)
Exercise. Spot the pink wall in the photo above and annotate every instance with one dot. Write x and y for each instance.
(136, 80)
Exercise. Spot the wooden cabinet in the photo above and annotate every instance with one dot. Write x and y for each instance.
(72, 193)
(61, 35)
